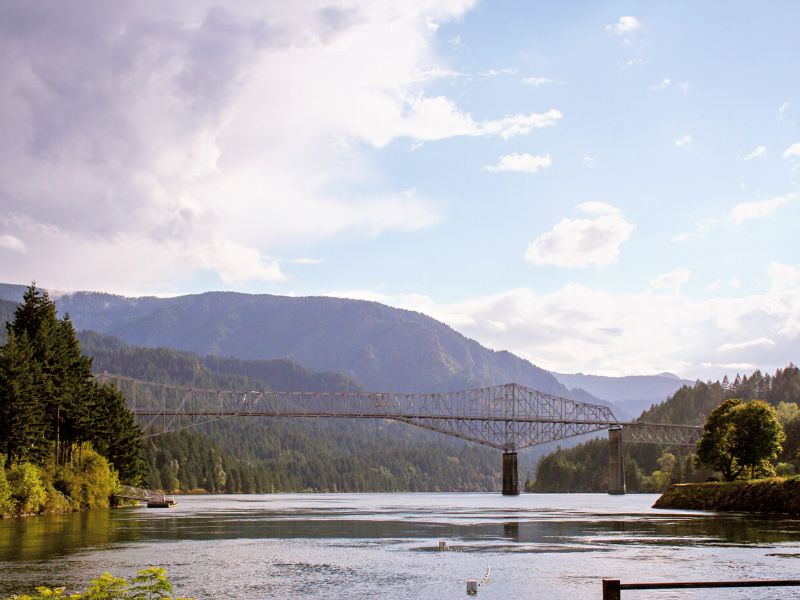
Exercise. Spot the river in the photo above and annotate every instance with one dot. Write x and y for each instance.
(552, 546)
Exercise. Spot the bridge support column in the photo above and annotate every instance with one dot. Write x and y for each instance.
(616, 463)
(510, 480)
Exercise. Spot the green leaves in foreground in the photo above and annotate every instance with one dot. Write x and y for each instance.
(149, 584)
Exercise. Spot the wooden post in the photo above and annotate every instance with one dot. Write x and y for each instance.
(611, 589)
(616, 464)
(510, 481)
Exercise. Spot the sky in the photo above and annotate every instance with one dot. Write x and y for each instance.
(599, 187)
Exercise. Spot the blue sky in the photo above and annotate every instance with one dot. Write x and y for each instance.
(606, 187)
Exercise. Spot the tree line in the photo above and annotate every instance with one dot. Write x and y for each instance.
(754, 422)
(55, 420)
(262, 455)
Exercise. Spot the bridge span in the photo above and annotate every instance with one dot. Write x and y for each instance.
(508, 417)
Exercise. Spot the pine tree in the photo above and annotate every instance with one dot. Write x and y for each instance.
(21, 416)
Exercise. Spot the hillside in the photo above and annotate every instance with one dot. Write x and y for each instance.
(632, 393)
(264, 455)
(380, 347)
(650, 467)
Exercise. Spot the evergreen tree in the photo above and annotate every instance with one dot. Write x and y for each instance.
(21, 408)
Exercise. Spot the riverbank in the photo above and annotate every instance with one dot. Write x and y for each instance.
(776, 495)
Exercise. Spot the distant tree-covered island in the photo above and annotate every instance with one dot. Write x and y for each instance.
(66, 442)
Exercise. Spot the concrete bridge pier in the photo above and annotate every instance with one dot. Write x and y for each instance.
(510, 480)
(616, 463)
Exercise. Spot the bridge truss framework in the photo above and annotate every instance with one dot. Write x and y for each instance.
(508, 417)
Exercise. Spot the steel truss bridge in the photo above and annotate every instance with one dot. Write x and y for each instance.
(508, 417)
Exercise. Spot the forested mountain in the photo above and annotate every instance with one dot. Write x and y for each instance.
(281, 454)
(380, 347)
(165, 365)
(632, 393)
(650, 467)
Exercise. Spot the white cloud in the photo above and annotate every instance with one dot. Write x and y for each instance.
(782, 110)
(671, 281)
(498, 72)
(684, 87)
(792, 151)
(713, 286)
(580, 328)
(539, 81)
(735, 283)
(683, 140)
(200, 126)
(661, 85)
(757, 210)
(681, 237)
(624, 25)
(784, 277)
(305, 261)
(762, 341)
(10, 242)
(518, 124)
(521, 163)
(588, 161)
(633, 62)
(582, 242)
(758, 152)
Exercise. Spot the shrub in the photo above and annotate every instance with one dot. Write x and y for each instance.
(89, 482)
(149, 584)
(6, 502)
(27, 488)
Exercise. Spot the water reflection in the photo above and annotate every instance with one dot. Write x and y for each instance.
(310, 542)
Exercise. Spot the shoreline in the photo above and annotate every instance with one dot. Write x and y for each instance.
(771, 496)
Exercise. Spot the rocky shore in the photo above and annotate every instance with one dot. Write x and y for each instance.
(776, 495)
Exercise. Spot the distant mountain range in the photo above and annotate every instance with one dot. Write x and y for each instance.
(380, 347)
(377, 346)
(633, 393)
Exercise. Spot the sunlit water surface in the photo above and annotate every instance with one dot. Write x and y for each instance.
(549, 546)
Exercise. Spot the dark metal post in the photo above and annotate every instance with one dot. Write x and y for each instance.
(510, 481)
(616, 464)
(611, 589)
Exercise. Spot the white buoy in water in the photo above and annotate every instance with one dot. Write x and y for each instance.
(442, 545)
(472, 586)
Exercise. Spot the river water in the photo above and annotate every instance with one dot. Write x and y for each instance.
(547, 546)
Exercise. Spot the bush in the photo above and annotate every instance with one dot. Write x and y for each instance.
(89, 482)
(149, 584)
(27, 488)
(6, 502)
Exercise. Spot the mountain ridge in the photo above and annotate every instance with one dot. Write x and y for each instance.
(380, 347)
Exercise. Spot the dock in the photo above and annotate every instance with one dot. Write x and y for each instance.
(152, 498)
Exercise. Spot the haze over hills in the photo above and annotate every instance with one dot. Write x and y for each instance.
(380, 347)
(632, 393)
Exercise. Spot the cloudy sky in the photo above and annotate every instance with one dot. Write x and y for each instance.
(612, 189)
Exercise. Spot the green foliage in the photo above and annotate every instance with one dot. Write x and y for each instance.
(7, 505)
(50, 405)
(266, 455)
(89, 481)
(27, 488)
(740, 435)
(584, 467)
(148, 584)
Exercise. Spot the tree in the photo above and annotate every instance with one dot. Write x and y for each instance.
(757, 436)
(21, 408)
(739, 435)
